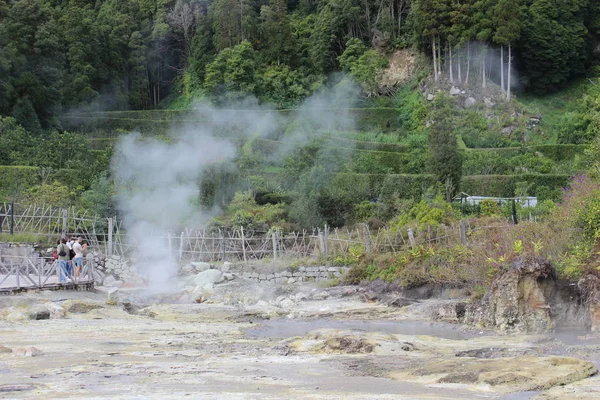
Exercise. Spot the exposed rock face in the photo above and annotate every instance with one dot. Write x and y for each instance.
(589, 285)
(519, 300)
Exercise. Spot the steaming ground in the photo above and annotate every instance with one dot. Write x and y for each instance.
(148, 347)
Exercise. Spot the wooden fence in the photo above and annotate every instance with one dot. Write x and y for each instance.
(107, 235)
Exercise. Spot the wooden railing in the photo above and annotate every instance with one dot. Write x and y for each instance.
(37, 273)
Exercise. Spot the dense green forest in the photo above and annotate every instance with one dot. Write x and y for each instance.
(74, 75)
(60, 55)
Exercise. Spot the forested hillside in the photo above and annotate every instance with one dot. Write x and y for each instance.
(418, 96)
(60, 55)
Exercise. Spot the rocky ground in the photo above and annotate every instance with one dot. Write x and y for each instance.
(246, 341)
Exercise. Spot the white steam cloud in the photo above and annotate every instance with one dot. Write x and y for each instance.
(158, 180)
(158, 191)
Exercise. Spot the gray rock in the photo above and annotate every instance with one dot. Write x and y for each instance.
(27, 352)
(509, 129)
(226, 267)
(113, 294)
(430, 97)
(228, 277)
(188, 268)
(470, 102)
(208, 278)
(291, 280)
(201, 266)
(320, 295)
(488, 102)
(286, 303)
(454, 91)
(39, 313)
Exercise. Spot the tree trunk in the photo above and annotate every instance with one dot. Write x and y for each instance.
(509, 74)
(468, 63)
(439, 55)
(459, 59)
(435, 72)
(502, 68)
(483, 81)
(242, 19)
(451, 69)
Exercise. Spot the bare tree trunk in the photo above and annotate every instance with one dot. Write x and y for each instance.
(509, 73)
(468, 63)
(451, 69)
(459, 59)
(483, 81)
(439, 54)
(502, 68)
(435, 71)
(242, 19)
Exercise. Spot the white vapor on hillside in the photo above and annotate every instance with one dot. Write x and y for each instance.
(158, 191)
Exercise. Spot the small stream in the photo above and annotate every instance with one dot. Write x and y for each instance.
(283, 328)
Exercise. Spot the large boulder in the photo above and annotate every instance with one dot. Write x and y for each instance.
(519, 300)
(208, 278)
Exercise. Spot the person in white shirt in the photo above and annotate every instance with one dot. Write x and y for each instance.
(78, 259)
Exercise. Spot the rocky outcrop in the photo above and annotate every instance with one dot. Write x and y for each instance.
(522, 299)
(589, 286)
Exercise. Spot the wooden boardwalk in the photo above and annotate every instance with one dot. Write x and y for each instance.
(35, 273)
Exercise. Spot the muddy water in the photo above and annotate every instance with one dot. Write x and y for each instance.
(283, 328)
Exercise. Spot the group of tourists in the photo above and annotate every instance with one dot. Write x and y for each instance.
(69, 254)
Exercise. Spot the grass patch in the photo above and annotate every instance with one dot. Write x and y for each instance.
(24, 238)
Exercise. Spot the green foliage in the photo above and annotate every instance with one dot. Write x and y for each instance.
(232, 72)
(445, 160)
(489, 208)
(243, 211)
(505, 185)
(554, 42)
(55, 194)
(282, 86)
(425, 213)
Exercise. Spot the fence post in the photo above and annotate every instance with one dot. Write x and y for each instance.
(411, 238)
(222, 244)
(12, 217)
(274, 240)
(64, 224)
(170, 242)
(181, 247)
(243, 243)
(463, 232)
(326, 240)
(321, 240)
(109, 250)
(367, 239)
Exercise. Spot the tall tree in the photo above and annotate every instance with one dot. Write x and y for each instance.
(233, 22)
(554, 42)
(275, 33)
(445, 159)
(507, 23)
(182, 18)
